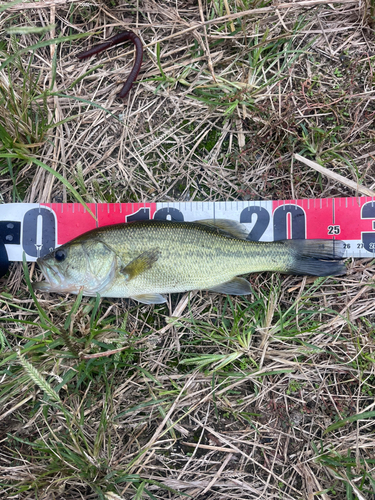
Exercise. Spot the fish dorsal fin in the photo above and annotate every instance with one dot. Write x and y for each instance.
(230, 227)
(140, 264)
(236, 286)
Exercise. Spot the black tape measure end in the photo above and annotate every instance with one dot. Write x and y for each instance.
(4, 261)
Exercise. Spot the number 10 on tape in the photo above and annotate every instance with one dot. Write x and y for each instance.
(37, 228)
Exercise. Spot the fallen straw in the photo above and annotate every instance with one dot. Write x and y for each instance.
(339, 178)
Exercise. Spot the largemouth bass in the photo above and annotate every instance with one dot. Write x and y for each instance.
(144, 260)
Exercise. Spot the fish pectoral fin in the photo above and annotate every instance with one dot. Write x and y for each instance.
(230, 227)
(150, 298)
(236, 286)
(140, 264)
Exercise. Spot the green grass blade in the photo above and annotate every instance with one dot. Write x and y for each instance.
(63, 181)
(39, 45)
(9, 4)
(353, 418)
(44, 320)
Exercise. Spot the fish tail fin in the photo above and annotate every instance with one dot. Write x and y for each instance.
(316, 257)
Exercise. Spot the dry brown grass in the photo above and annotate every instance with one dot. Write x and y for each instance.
(206, 127)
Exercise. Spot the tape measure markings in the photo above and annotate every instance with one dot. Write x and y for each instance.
(38, 228)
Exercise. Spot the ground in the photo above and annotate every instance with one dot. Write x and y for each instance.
(209, 396)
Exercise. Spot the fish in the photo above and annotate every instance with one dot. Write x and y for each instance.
(145, 260)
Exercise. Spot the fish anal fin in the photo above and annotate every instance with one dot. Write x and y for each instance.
(140, 264)
(236, 286)
(232, 228)
(150, 298)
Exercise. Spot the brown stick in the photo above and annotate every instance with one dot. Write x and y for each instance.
(115, 40)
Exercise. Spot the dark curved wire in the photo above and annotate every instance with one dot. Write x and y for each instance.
(119, 38)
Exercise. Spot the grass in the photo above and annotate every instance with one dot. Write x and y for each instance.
(207, 396)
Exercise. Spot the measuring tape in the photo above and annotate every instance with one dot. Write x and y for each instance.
(38, 228)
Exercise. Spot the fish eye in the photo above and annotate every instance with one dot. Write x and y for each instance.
(60, 255)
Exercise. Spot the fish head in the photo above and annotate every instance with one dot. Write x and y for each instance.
(79, 265)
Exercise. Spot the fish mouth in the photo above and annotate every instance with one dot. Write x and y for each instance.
(54, 280)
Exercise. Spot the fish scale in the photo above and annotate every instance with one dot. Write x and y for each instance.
(144, 260)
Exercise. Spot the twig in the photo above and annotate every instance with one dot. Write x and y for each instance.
(218, 474)
(337, 177)
(208, 447)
